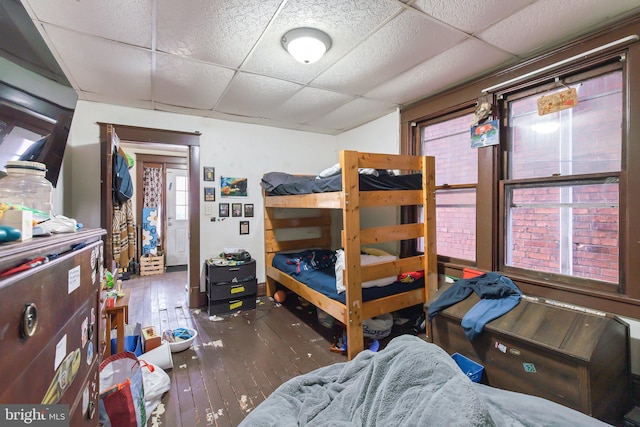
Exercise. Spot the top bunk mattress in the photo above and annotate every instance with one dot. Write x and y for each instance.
(283, 184)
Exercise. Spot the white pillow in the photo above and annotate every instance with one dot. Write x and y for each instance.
(333, 170)
(364, 260)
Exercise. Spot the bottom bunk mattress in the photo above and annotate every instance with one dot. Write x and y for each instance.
(409, 383)
(316, 269)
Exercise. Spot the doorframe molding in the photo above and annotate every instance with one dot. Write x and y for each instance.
(141, 135)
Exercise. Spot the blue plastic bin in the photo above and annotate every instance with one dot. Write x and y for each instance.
(472, 369)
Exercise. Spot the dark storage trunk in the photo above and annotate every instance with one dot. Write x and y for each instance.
(570, 355)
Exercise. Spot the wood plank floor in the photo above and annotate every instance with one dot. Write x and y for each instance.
(237, 360)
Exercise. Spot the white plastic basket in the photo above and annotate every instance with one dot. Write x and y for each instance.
(378, 327)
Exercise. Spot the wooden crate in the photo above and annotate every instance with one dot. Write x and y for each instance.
(151, 264)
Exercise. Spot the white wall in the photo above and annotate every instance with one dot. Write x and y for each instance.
(379, 136)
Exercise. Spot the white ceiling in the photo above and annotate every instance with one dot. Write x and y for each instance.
(223, 58)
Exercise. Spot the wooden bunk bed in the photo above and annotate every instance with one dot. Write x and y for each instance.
(349, 200)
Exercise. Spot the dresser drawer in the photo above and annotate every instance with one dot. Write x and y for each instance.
(232, 305)
(231, 274)
(57, 290)
(225, 291)
(71, 355)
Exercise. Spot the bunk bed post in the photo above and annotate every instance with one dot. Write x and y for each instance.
(269, 216)
(351, 245)
(429, 206)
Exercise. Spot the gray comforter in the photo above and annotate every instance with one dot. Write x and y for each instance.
(409, 383)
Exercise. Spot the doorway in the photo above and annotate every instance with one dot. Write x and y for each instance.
(154, 137)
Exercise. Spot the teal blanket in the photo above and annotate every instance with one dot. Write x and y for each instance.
(409, 383)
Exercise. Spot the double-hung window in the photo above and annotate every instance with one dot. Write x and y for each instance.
(560, 189)
(448, 140)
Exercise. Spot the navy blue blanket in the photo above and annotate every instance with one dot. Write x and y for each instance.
(279, 183)
(316, 269)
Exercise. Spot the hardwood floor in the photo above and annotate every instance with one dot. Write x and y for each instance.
(236, 360)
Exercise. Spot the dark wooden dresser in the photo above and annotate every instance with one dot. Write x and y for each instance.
(570, 355)
(49, 324)
(231, 288)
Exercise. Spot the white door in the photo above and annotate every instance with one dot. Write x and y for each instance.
(177, 220)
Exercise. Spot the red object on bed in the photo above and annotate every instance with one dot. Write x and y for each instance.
(468, 273)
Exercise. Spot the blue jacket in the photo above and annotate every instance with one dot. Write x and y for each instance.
(498, 295)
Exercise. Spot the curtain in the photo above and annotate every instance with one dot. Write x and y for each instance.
(152, 187)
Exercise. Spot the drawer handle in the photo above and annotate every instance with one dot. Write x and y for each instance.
(29, 322)
(234, 269)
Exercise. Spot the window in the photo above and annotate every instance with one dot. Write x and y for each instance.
(182, 198)
(561, 192)
(456, 178)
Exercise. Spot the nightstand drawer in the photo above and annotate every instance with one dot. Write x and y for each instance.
(224, 291)
(231, 273)
(231, 305)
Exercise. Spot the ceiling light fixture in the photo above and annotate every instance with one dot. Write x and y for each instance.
(306, 45)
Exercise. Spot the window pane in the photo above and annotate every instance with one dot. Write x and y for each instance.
(456, 223)
(181, 212)
(456, 163)
(571, 230)
(181, 198)
(181, 183)
(449, 142)
(579, 140)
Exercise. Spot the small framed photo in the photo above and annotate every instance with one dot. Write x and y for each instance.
(248, 210)
(223, 210)
(244, 227)
(209, 173)
(209, 194)
(236, 209)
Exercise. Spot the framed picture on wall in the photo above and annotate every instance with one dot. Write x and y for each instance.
(209, 173)
(233, 187)
(248, 210)
(209, 194)
(236, 209)
(244, 227)
(223, 210)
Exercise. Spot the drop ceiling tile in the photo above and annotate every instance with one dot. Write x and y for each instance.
(307, 104)
(221, 32)
(101, 66)
(407, 40)
(450, 68)
(346, 22)
(181, 110)
(353, 114)
(470, 16)
(547, 23)
(254, 95)
(188, 83)
(115, 100)
(127, 21)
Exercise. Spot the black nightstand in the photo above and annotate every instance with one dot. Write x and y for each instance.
(231, 288)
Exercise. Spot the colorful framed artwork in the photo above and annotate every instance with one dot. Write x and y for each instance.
(233, 187)
(244, 227)
(223, 210)
(248, 210)
(485, 134)
(209, 173)
(236, 209)
(209, 194)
